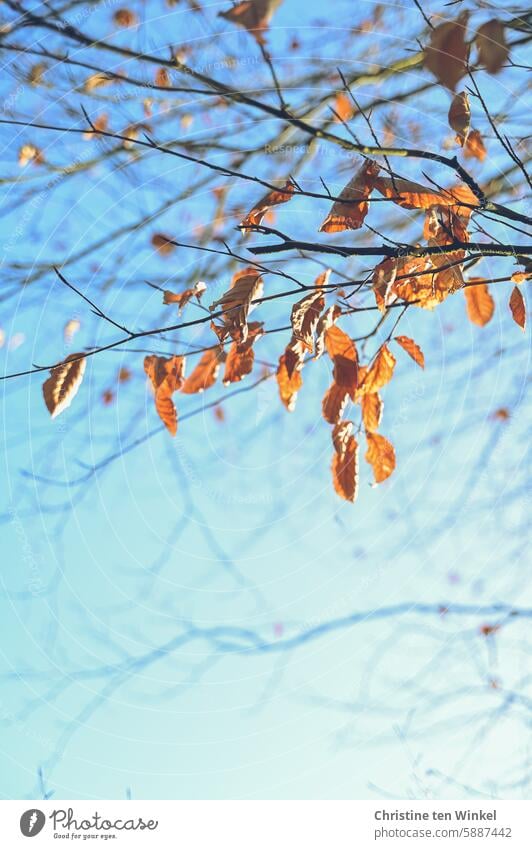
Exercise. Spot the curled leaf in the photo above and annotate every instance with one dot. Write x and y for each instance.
(162, 244)
(474, 147)
(273, 198)
(412, 349)
(204, 375)
(289, 384)
(182, 298)
(62, 386)
(241, 355)
(166, 376)
(349, 212)
(460, 116)
(334, 403)
(246, 287)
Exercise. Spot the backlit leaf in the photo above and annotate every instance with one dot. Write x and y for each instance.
(345, 462)
(272, 198)
(480, 305)
(346, 215)
(518, 308)
(289, 385)
(380, 455)
(204, 375)
(246, 286)
(460, 116)
(62, 386)
(412, 349)
(241, 355)
(166, 376)
(372, 409)
(380, 371)
(446, 55)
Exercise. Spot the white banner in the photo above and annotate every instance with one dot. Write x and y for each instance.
(266, 825)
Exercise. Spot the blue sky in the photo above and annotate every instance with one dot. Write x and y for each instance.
(132, 597)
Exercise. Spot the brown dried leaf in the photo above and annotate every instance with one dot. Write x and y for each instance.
(246, 286)
(183, 298)
(62, 386)
(446, 56)
(518, 308)
(241, 355)
(475, 147)
(345, 462)
(204, 375)
(162, 78)
(383, 279)
(334, 403)
(372, 408)
(350, 216)
(289, 385)
(460, 116)
(273, 198)
(492, 48)
(412, 195)
(480, 305)
(166, 376)
(99, 123)
(125, 18)
(380, 372)
(412, 349)
(97, 80)
(253, 15)
(380, 455)
(326, 320)
(305, 316)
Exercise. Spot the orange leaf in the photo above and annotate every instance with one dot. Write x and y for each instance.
(253, 15)
(412, 195)
(241, 355)
(383, 279)
(412, 349)
(342, 351)
(379, 373)
(166, 376)
(125, 18)
(479, 303)
(446, 56)
(380, 455)
(372, 407)
(62, 386)
(345, 462)
(182, 298)
(246, 286)
(204, 375)
(343, 106)
(518, 308)
(334, 403)
(460, 116)
(162, 244)
(475, 147)
(492, 47)
(326, 321)
(289, 385)
(305, 316)
(162, 78)
(273, 198)
(346, 215)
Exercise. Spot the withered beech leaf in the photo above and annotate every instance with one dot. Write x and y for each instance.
(380, 372)
(30, 153)
(480, 305)
(273, 198)
(412, 195)
(384, 275)
(162, 243)
(474, 147)
(100, 123)
(491, 44)
(253, 15)
(241, 355)
(326, 320)
(412, 349)
(343, 353)
(97, 80)
(62, 386)
(204, 375)
(334, 403)
(346, 215)
(372, 409)
(447, 54)
(380, 455)
(246, 286)
(460, 116)
(345, 462)
(166, 375)
(518, 308)
(125, 18)
(305, 316)
(162, 78)
(183, 298)
(289, 385)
